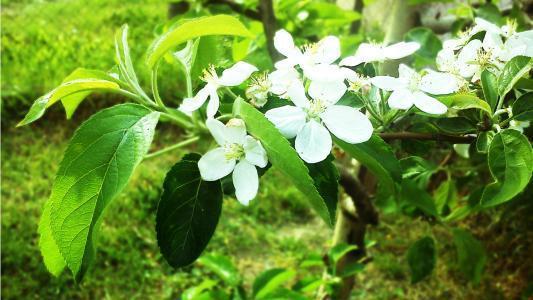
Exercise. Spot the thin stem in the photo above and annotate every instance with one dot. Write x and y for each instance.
(155, 89)
(173, 147)
(178, 120)
(456, 139)
(231, 93)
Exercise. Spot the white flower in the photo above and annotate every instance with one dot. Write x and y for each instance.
(410, 89)
(310, 120)
(233, 76)
(257, 91)
(238, 153)
(325, 52)
(367, 53)
(519, 125)
(283, 80)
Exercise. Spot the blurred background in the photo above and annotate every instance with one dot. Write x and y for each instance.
(43, 41)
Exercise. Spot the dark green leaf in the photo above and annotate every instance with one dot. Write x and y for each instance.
(326, 178)
(422, 258)
(188, 212)
(223, 267)
(513, 70)
(455, 125)
(430, 45)
(413, 195)
(97, 165)
(489, 83)
(418, 169)
(282, 155)
(269, 281)
(470, 253)
(523, 108)
(204, 26)
(510, 162)
(377, 156)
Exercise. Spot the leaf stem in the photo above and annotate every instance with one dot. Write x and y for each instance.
(173, 147)
(155, 89)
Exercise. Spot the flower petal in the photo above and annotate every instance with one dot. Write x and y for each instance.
(254, 152)
(235, 131)
(246, 182)
(484, 25)
(327, 50)
(323, 72)
(467, 57)
(213, 165)
(191, 104)
(438, 83)
(492, 42)
(296, 92)
(288, 119)
(330, 92)
(406, 74)
(213, 104)
(217, 130)
(401, 99)
(387, 83)
(401, 49)
(281, 79)
(428, 104)
(284, 43)
(369, 53)
(347, 123)
(237, 74)
(351, 61)
(313, 142)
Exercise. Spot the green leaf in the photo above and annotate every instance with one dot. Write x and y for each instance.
(378, 157)
(337, 252)
(96, 167)
(470, 253)
(282, 155)
(212, 25)
(513, 70)
(326, 179)
(489, 83)
(465, 101)
(421, 258)
(413, 195)
(64, 90)
(71, 103)
(523, 107)
(195, 292)
(430, 45)
(445, 195)
(483, 141)
(269, 281)
(223, 267)
(188, 212)
(53, 260)
(510, 162)
(418, 169)
(455, 125)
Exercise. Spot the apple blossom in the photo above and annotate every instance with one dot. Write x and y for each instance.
(238, 153)
(310, 120)
(367, 53)
(233, 76)
(410, 89)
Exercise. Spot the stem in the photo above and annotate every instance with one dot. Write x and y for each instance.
(173, 147)
(178, 120)
(456, 139)
(155, 90)
(231, 93)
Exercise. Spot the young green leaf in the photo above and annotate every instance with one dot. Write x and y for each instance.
(97, 165)
(513, 70)
(377, 156)
(223, 267)
(188, 212)
(483, 141)
(421, 258)
(211, 25)
(470, 253)
(269, 281)
(523, 107)
(465, 101)
(510, 160)
(64, 90)
(413, 195)
(282, 155)
(445, 195)
(489, 83)
(337, 252)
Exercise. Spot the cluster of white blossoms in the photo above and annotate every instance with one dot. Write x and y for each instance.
(313, 82)
(467, 57)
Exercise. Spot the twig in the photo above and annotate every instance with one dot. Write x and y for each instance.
(405, 135)
(270, 26)
(250, 13)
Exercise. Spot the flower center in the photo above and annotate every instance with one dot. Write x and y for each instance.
(209, 75)
(316, 108)
(414, 83)
(484, 57)
(233, 151)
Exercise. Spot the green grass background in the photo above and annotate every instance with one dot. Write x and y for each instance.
(43, 41)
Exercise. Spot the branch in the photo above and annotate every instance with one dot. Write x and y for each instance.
(268, 18)
(360, 197)
(456, 139)
(250, 13)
